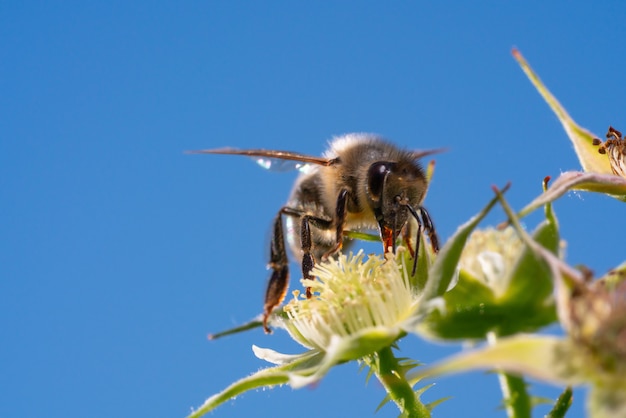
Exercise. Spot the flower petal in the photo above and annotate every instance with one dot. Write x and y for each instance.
(342, 349)
(277, 358)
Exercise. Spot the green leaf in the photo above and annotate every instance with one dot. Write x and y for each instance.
(444, 268)
(564, 276)
(471, 319)
(545, 358)
(590, 159)
(269, 377)
(470, 312)
(363, 236)
(424, 261)
(531, 281)
(472, 309)
(562, 404)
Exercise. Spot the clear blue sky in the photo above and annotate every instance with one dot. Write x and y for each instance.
(119, 254)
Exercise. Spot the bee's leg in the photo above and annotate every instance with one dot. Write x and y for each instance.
(430, 228)
(406, 237)
(308, 261)
(279, 281)
(307, 258)
(340, 219)
(279, 263)
(418, 236)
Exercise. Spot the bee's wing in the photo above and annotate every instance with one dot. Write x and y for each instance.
(272, 159)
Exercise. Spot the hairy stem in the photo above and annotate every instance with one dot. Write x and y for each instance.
(514, 391)
(390, 373)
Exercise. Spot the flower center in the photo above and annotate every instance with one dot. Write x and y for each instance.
(350, 295)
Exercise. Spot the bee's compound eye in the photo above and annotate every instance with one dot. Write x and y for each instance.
(376, 178)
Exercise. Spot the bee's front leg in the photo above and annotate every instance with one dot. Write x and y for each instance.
(430, 229)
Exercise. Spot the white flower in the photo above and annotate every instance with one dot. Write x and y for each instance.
(359, 306)
(490, 255)
(351, 296)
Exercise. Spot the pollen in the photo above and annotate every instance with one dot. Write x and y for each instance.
(615, 148)
(351, 294)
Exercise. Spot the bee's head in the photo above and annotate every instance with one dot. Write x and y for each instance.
(395, 190)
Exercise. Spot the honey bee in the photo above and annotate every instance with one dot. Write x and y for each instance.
(361, 182)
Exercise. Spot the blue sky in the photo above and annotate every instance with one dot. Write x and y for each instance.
(119, 253)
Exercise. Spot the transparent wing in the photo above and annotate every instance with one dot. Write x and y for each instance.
(276, 164)
(274, 160)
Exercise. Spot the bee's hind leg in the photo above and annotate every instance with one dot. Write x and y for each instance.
(279, 280)
(279, 263)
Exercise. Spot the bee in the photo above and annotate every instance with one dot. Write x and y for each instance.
(361, 182)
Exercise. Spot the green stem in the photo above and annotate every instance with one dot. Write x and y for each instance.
(391, 374)
(514, 391)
